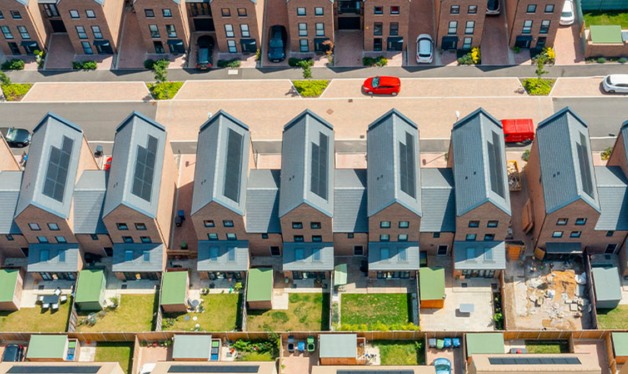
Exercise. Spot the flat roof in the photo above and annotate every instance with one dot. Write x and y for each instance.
(174, 287)
(620, 343)
(485, 343)
(606, 282)
(259, 286)
(8, 280)
(89, 285)
(432, 283)
(192, 346)
(47, 346)
(338, 345)
(606, 34)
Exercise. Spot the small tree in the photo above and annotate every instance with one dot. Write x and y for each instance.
(307, 70)
(161, 74)
(540, 64)
(4, 79)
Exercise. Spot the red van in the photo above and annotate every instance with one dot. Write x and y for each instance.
(518, 130)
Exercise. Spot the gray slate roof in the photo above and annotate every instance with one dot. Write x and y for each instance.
(51, 132)
(46, 257)
(292, 251)
(350, 201)
(566, 163)
(240, 261)
(387, 256)
(479, 163)
(393, 163)
(89, 199)
(439, 200)
(480, 255)
(612, 188)
(10, 183)
(302, 138)
(131, 135)
(137, 264)
(262, 201)
(219, 140)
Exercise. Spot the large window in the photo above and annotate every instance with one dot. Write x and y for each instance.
(303, 45)
(154, 31)
(545, 26)
(320, 29)
(318, 11)
(302, 29)
(172, 32)
(229, 31)
(301, 12)
(469, 29)
(74, 14)
(87, 48)
(7, 32)
(527, 27)
(23, 32)
(97, 32)
(244, 29)
(378, 29)
(80, 30)
(467, 42)
(453, 28)
(231, 44)
(394, 28)
(51, 10)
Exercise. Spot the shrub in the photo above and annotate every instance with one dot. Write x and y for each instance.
(378, 61)
(550, 54)
(297, 62)
(516, 49)
(313, 88)
(15, 92)
(148, 64)
(13, 64)
(465, 60)
(526, 155)
(622, 60)
(90, 65)
(164, 90)
(76, 65)
(606, 154)
(307, 70)
(538, 87)
(475, 55)
(600, 60)
(233, 63)
(4, 79)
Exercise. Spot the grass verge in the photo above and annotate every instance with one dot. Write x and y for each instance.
(15, 91)
(311, 88)
(613, 318)
(36, 319)
(536, 87)
(306, 312)
(401, 352)
(549, 346)
(222, 313)
(116, 352)
(374, 310)
(606, 18)
(135, 313)
(165, 90)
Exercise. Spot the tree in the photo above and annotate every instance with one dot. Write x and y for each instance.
(540, 64)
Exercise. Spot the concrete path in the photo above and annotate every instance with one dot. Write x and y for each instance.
(87, 92)
(349, 48)
(580, 87)
(567, 45)
(237, 90)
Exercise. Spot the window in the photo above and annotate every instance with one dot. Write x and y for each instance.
(474, 224)
(549, 8)
(74, 14)
(9, 237)
(545, 25)
(226, 12)
(384, 224)
(140, 226)
(80, 30)
(7, 32)
(146, 256)
(557, 234)
(87, 48)
(15, 14)
(34, 226)
(212, 236)
(467, 42)
(302, 29)
(97, 32)
(231, 236)
(404, 224)
(527, 27)
(473, 9)
(154, 31)
(53, 227)
(298, 238)
(229, 31)
(492, 224)
(209, 223)
(303, 46)
(264, 236)
(94, 236)
(489, 237)
(42, 239)
(60, 239)
(575, 234)
(436, 235)
(244, 29)
(275, 251)
(378, 29)
(453, 28)
(2, 15)
(531, 8)
(241, 12)
(350, 235)
(315, 225)
(317, 238)
(90, 13)
(167, 13)
(318, 11)
(127, 239)
(231, 44)
(23, 32)
(402, 237)
(301, 12)
(610, 233)
(297, 225)
(455, 9)
(51, 10)
(394, 9)
(149, 13)
(377, 44)
(145, 239)
(320, 29)
(469, 28)
(562, 222)
(394, 28)
(610, 248)
(172, 33)
(358, 250)
(379, 10)
(122, 226)
(227, 223)
(384, 238)
(581, 221)
(471, 237)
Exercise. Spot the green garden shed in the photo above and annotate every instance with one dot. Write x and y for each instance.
(90, 290)
(11, 284)
(47, 348)
(191, 347)
(259, 288)
(432, 287)
(174, 291)
(485, 343)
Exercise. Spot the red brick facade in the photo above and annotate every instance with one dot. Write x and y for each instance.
(21, 24)
(236, 21)
(544, 15)
(170, 21)
(468, 16)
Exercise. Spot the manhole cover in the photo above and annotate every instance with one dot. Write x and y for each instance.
(330, 112)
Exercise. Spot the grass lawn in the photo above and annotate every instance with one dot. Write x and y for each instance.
(164, 90)
(306, 312)
(36, 320)
(368, 309)
(116, 352)
(15, 91)
(135, 313)
(613, 318)
(549, 346)
(606, 18)
(222, 313)
(535, 87)
(401, 352)
(310, 88)
(255, 356)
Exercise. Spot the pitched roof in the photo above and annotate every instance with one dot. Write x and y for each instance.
(480, 255)
(262, 201)
(135, 175)
(438, 199)
(394, 256)
(393, 163)
(612, 187)
(350, 201)
(223, 255)
(174, 287)
(222, 159)
(307, 164)
(259, 286)
(53, 257)
(479, 163)
(89, 201)
(50, 174)
(308, 256)
(338, 345)
(566, 164)
(10, 184)
(138, 257)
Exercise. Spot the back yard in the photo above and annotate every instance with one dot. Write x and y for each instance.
(375, 309)
(401, 352)
(306, 312)
(135, 313)
(116, 352)
(36, 319)
(606, 18)
(222, 312)
(613, 318)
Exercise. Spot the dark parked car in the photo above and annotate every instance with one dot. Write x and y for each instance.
(277, 44)
(13, 353)
(493, 8)
(16, 138)
(204, 52)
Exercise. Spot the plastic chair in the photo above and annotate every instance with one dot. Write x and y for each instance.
(311, 347)
(456, 342)
(64, 298)
(447, 343)
(55, 306)
(45, 306)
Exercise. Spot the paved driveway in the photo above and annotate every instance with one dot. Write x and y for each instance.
(61, 52)
(422, 16)
(349, 48)
(132, 51)
(494, 47)
(568, 46)
(579, 87)
(275, 13)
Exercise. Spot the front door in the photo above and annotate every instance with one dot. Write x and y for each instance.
(159, 47)
(540, 44)
(15, 50)
(57, 25)
(449, 42)
(523, 41)
(104, 48)
(31, 47)
(349, 23)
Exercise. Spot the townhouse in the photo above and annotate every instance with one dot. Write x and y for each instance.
(459, 24)
(386, 25)
(310, 24)
(619, 158)
(22, 28)
(12, 241)
(438, 223)
(238, 25)
(532, 23)
(262, 213)
(350, 223)
(163, 25)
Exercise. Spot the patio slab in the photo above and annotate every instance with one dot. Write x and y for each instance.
(225, 90)
(567, 46)
(61, 52)
(132, 51)
(455, 356)
(578, 87)
(349, 48)
(86, 92)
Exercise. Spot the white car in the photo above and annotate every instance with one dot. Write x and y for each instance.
(424, 49)
(616, 83)
(567, 17)
(147, 368)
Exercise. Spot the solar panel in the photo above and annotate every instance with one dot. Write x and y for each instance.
(407, 165)
(145, 169)
(522, 360)
(231, 188)
(585, 166)
(54, 369)
(213, 369)
(57, 173)
(496, 165)
(375, 371)
(318, 183)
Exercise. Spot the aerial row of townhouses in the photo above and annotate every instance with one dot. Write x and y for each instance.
(62, 208)
(238, 26)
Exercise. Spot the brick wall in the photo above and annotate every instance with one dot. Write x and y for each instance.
(179, 20)
(89, 245)
(261, 247)
(484, 213)
(306, 214)
(31, 19)
(370, 18)
(218, 213)
(394, 214)
(343, 246)
(13, 248)
(108, 28)
(33, 214)
(124, 214)
(429, 244)
(445, 16)
(515, 27)
(311, 19)
(605, 50)
(166, 208)
(253, 19)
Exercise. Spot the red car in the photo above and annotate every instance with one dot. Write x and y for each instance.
(382, 86)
